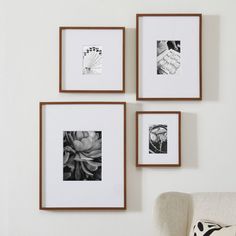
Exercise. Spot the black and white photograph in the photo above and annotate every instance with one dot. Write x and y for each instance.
(168, 57)
(92, 60)
(82, 155)
(158, 139)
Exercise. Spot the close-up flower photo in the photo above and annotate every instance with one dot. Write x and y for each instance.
(158, 139)
(82, 155)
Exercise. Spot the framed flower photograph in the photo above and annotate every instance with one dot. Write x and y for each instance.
(169, 56)
(158, 138)
(92, 59)
(82, 155)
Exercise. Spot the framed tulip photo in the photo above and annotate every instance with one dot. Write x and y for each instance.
(169, 56)
(82, 155)
(158, 138)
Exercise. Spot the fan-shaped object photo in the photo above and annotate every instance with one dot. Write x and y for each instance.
(92, 60)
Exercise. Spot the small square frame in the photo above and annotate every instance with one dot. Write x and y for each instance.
(110, 89)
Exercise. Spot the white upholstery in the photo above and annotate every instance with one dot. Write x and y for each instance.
(176, 213)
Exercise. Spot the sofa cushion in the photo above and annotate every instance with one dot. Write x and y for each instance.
(207, 228)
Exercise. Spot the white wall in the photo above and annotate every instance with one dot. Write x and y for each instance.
(29, 74)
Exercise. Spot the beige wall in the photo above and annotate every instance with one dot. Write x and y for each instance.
(29, 74)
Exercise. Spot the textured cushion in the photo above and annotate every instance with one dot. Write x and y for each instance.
(176, 213)
(207, 228)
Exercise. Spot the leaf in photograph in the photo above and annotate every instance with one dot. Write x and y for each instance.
(77, 171)
(90, 167)
(93, 154)
(69, 149)
(85, 170)
(95, 164)
(70, 137)
(71, 163)
(66, 157)
(66, 175)
(84, 158)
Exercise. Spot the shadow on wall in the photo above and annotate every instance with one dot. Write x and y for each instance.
(134, 174)
(210, 57)
(130, 58)
(189, 146)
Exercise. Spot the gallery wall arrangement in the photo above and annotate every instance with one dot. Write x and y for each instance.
(83, 144)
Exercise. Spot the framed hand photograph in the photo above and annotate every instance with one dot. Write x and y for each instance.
(158, 138)
(82, 155)
(169, 57)
(92, 59)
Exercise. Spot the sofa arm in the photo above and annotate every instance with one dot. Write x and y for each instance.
(171, 214)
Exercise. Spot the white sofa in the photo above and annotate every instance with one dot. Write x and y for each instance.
(176, 213)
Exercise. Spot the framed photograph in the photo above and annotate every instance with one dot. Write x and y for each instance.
(158, 138)
(92, 59)
(82, 155)
(169, 57)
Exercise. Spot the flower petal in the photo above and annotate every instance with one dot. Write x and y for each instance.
(93, 154)
(79, 135)
(96, 145)
(95, 164)
(77, 171)
(87, 143)
(91, 167)
(66, 175)
(85, 170)
(78, 145)
(66, 157)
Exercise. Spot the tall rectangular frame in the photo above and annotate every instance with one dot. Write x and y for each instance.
(41, 207)
(137, 56)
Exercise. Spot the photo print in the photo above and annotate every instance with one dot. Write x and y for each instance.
(92, 60)
(82, 155)
(168, 57)
(158, 139)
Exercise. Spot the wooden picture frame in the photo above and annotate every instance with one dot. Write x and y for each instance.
(172, 128)
(112, 63)
(160, 84)
(53, 142)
